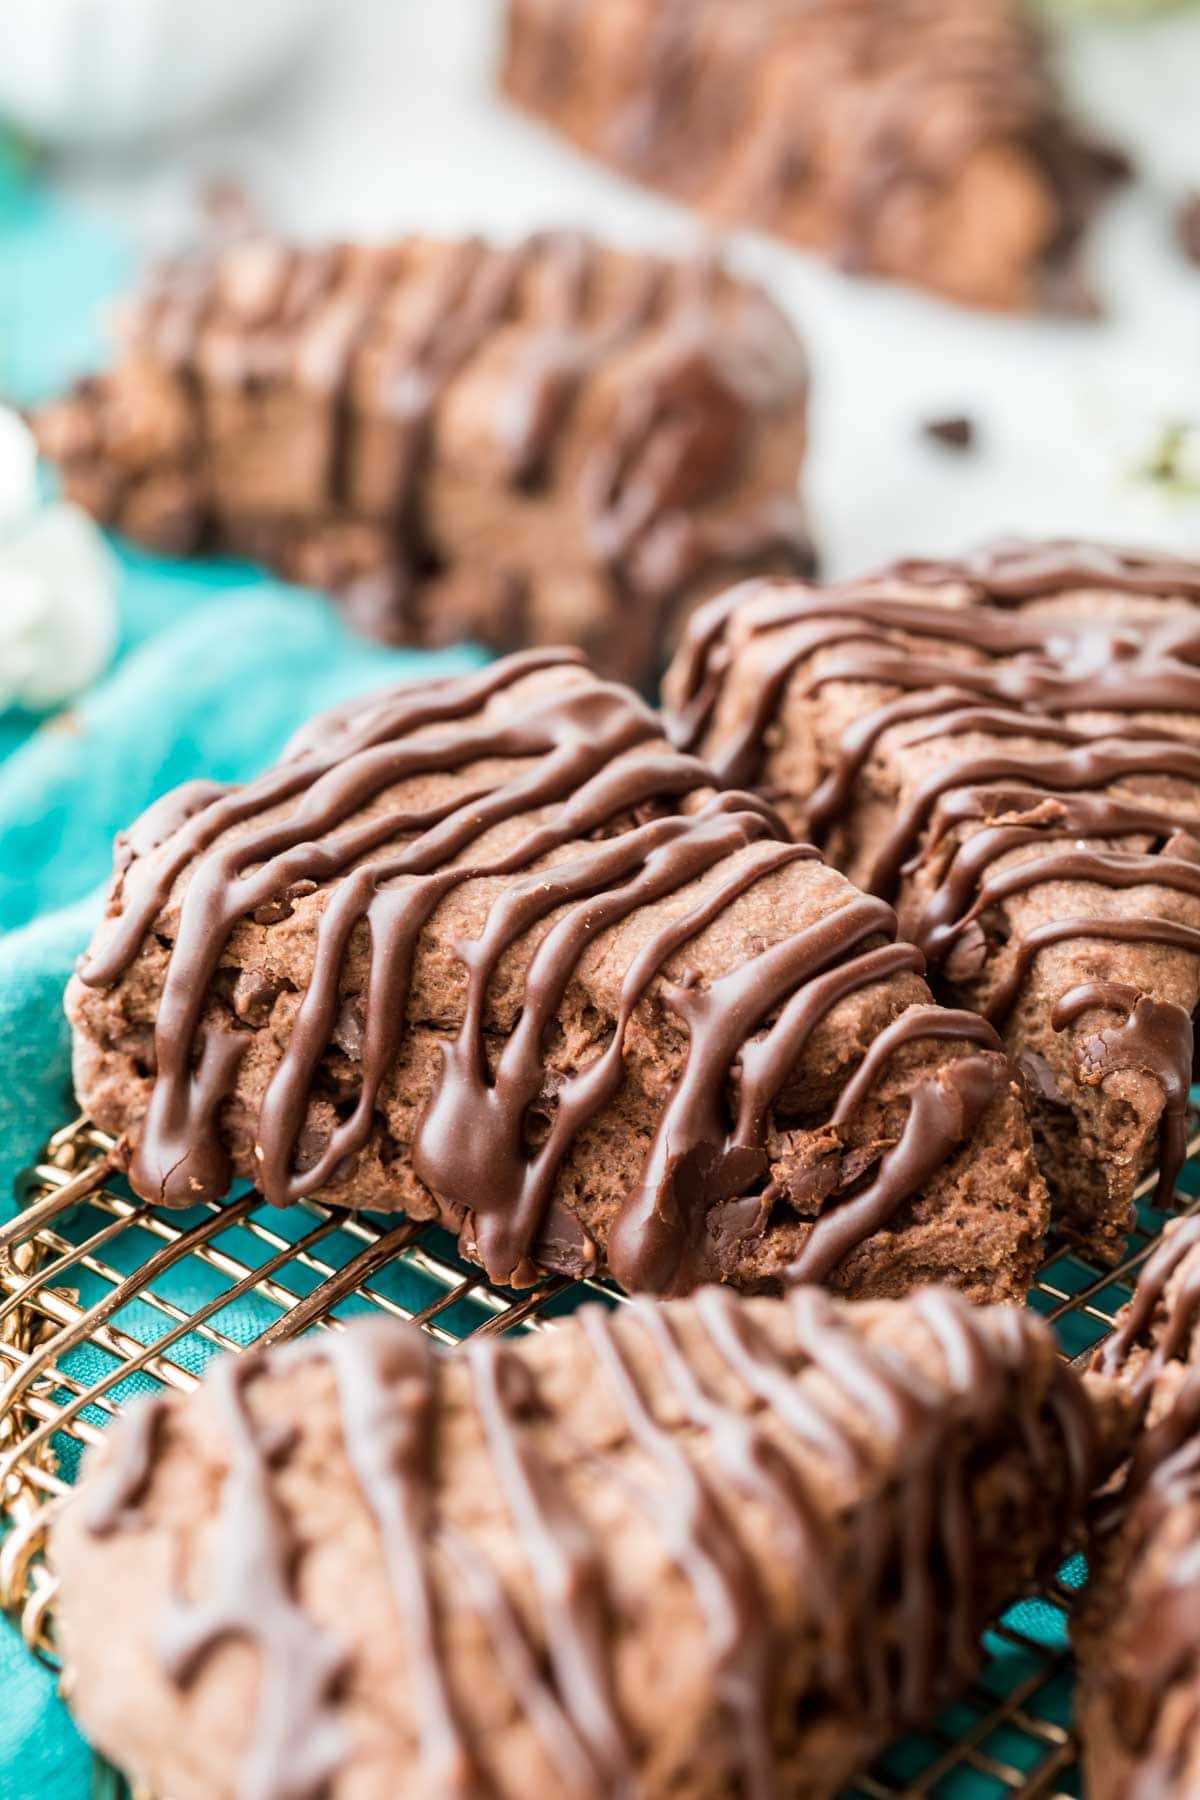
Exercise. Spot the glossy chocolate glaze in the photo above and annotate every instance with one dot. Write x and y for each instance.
(915, 1543)
(593, 762)
(675, 439)
(1043, 669)
(1161, 1626)
(1133, 1330)
(249, 1595)
(686, 117)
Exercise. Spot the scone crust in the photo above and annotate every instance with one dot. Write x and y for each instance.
(1006, 748)
(698, 1519)
(286, 994)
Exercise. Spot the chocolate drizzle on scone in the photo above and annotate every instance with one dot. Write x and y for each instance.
(1140, 1632)
(574, 768)
(1172, 1265)
(926, 140)
(250, 1597)
(1103, 707)
(718, 1410)
(306, 407)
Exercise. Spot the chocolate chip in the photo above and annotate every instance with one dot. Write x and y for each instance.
(272, 911)
(254, 993)
(956, 432)
(1041, 1079)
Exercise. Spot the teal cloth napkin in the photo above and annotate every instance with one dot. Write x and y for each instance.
(216, 667)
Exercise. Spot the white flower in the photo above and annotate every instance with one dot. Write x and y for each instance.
(58, 616)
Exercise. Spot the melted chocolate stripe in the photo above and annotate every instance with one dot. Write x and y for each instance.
(562, 1557)
(831, 797)
(298, 1741)
(387, 1391)
(945, 1108)
(1117, 931)
(957, 899)
(766, 1063)
(1110, 869)
(581, 727)
(522, 1666)
(1093, 766)
(747, 1350)
(647, 1239)
(1079, 815)
(807, 621)
(567, 354)
(698, 1531)
(395, 917)
(347, 732)
(1157, 1275)
(1016, 570)
(115, 1491)
(897, 1545)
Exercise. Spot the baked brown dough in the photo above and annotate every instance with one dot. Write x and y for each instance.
(718, 1546)
(1139, 1636)
(551, 443)
(1006, 748)
(920, 139)
(491, 952)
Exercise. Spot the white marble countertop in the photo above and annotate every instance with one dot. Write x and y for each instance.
(391, 123)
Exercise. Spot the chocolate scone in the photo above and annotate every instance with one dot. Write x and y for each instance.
(1007, 749)
(719, 1546)
(490, 951)
(1139, 1635)
(550, 443)
(924, 140)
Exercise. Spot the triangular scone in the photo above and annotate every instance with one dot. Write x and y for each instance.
(1007, 748)
(926, 141)
(718, 1546)
(490, 951)
(547, 443)
(1138, 1638)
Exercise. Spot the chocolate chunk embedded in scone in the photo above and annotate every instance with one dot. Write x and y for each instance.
(1006, 748)
(1138, 1638)
(548, 443)
(926, 141)
(490, 951)
(718, 1546)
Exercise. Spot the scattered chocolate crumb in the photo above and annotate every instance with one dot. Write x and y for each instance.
(1110, 163)
(1187, 227)
(956, 432)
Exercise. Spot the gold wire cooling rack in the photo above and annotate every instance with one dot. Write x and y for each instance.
(101, 1297)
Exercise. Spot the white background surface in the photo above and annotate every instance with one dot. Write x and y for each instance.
(391, 122)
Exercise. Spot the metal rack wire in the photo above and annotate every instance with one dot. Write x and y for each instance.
(100, 1296)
